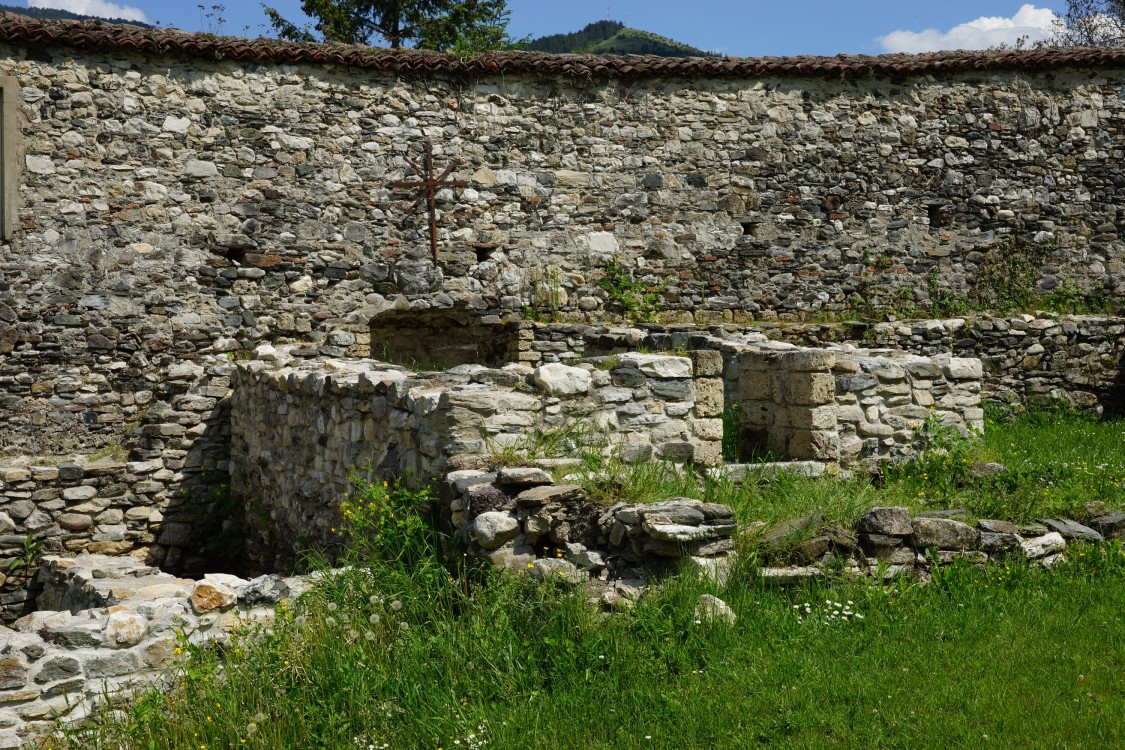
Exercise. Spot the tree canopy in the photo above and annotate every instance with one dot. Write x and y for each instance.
(458, 25)
(1091, 23)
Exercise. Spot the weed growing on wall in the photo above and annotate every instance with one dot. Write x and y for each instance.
(383, 520)
(1006, 280)
(638, 302)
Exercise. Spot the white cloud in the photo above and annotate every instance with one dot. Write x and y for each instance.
(98, 8)
(982, 33)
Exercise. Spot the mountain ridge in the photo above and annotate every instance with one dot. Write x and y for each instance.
(613, 38)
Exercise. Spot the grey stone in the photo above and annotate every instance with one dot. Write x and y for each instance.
(523, 476)
(554, 569)
(711, 610)
(789, 576)
(997, 527)
(944, 533)
(999, 543)
(1072, 530)
(265, 590)
(561, 493)
(886, 521)
(1110, 525)
(493, 529)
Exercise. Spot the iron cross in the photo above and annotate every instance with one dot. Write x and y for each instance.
(427, 186)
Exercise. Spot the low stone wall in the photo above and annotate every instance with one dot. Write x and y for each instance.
(1074, 358)
(302, 429)
(150, 498)
(521, 520)
(887, 541)
(107, 625)
(845, 404)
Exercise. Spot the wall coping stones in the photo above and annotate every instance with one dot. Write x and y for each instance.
(124, 38)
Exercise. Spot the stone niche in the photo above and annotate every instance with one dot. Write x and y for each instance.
(440, 339)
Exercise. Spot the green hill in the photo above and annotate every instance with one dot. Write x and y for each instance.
(614, 38)
(51, 13)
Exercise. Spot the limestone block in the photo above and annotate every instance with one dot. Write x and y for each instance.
(708, 397)
(808, 388)
(562, 380)
(706, 363)
(707, 429)
(709, 453)
(758, 413)
(657, 365)
(808, 418)
(808, 360)
(817, 445)
(755, 386)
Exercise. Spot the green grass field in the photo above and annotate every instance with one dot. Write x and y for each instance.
(418, 653)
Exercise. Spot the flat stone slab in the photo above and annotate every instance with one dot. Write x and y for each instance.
(1110, 525)
(1072, 530)
(791, 575)
(997, 527)
(886, 521)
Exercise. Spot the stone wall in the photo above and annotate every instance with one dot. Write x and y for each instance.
(151, 499)
(848, 405)
(107, 625)
(1046, 357)
(205, 206)
(301, 429)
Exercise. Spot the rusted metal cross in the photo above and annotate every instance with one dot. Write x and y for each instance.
(427, 186)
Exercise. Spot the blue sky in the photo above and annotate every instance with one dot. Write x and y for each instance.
(733, 27)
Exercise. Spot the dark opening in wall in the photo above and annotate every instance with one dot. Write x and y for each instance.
(749, 229)
(236, 255)
(438, 339)
(483, 251)
(940, 216)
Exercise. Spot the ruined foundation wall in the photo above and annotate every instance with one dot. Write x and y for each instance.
(302, 430)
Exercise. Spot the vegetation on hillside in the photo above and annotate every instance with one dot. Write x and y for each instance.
(52, 13)
(409, 648)
(613, 38)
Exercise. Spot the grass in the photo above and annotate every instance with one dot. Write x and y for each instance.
(409, 649)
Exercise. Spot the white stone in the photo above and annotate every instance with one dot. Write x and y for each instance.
(201, 168)
(562, 380)
(494, 528)
(79, 493)
(39, 164)
(125, 628)
(1041, 546)
(713, 610)
(301, 284)
(176, 125)
(657, 365)
(604, 244)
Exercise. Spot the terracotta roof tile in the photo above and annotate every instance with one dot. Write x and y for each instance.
(96, 35)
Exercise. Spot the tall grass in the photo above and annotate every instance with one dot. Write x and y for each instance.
(408, 649)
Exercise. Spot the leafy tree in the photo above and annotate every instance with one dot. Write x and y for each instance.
(459, 25)
(1091, 23)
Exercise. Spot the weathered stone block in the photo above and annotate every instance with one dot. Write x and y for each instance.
(706, 363)
(808, 388)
